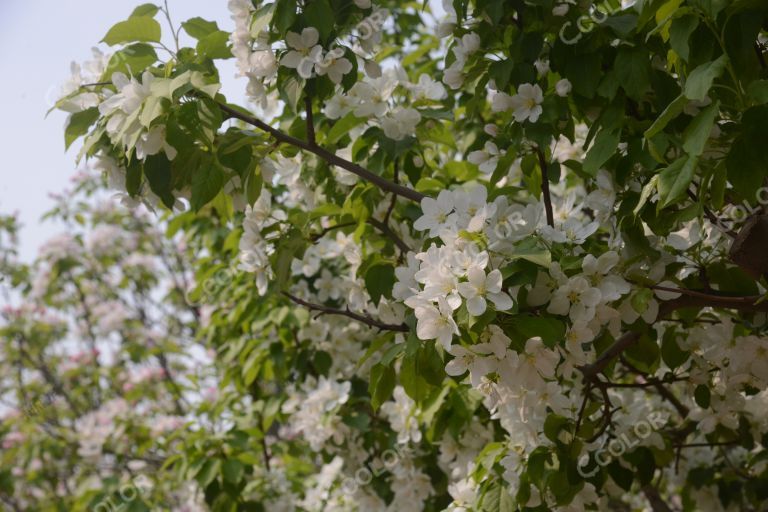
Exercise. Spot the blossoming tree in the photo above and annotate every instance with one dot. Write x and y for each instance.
(508, 256)
(100, 368)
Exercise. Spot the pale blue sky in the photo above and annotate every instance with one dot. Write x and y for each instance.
(38, 41)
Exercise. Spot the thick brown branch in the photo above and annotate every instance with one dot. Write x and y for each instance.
(326, 155)
(370, 322)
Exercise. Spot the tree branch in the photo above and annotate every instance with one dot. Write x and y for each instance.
(324, 154)
(689, 299)
(370, 322)
(654, 499)
(545, 195)
(713, 219)
(386, 230)
(310, 120)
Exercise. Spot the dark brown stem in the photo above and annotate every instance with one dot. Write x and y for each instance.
(265, 452)
(310, 120)
(324, 154)
(654, 499)
(317, 236)
(545, 195)
(386, 230)
(370, 322)
(660, 387)
(712, 217)
(689, 299)
(703, 445)
(394, 196)
(381, 226)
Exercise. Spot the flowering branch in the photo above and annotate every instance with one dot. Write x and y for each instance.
(370, 322)
(324, 154)
(386, 230)
(380, 225)
(689, 299)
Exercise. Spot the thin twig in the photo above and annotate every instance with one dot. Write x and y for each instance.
(324, 154)
(317, 236)
(370, 322)
(391, 208)
(689, 299)
(712, 217)
(384, 228)
(175, 32)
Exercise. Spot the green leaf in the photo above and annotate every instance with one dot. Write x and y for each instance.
(145, 10)
(550, 330)
(342, 127)
(601, 151)
(381, 385)
(79, 124)
(747, 160)
(132, 60)
(646, 193)
(702, 396)
(215, 45)
(497, 499)
(412, 379)
(697, 133)
(553, 426)
(199, 28)
(700, 80)
(640, 300)
(291, 246)
(621, 475)
(645, 354)
(671, 353)
(284, 15)
(674, 180)
(379, 280)
(137, 28)
(680, 34)
(157, 169)
(232, 471)
(758, 91)
(633, 69)
(133, 175)
(711, 7)
(673, 110)
(319, 14)
(537, 255)
(208, 471)
(207, 180)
